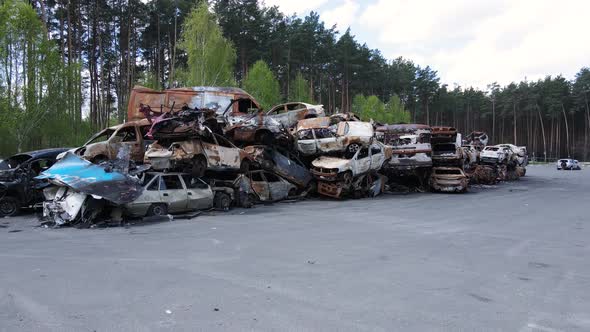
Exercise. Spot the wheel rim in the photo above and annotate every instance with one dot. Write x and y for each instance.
(7, 207)
(353, 148)
(158, 210)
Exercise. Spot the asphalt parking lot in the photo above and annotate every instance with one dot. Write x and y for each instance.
(511, 257)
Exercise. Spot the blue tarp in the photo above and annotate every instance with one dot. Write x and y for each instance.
(86, 177)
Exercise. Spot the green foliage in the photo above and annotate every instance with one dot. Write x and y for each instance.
(299, 90)
(34, 84)
(371, 108)
(210, 57)
(262, 84)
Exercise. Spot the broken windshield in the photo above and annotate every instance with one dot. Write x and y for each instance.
(101, 136)
(14, 161)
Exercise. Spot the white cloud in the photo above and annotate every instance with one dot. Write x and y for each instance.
(343, 15)
(301, 7)
(478, 42)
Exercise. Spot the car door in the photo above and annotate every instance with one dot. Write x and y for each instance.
(199, 194)
(279, 188)
(280, 114)
(229, 154)
(361, 162)
(173, 193)
(259, 185)
(128, 137)
(150, 195)
(209, 145)
(377, 157)
(326, 140)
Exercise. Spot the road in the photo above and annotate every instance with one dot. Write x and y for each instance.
(512, 257)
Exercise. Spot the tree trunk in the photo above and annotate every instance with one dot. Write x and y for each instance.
(543, 132)
(567, 134)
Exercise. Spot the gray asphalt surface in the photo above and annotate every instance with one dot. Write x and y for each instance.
(512, 257)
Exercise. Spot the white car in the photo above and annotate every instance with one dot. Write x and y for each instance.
(175, 192)
(366, 159)
(568, 164)
(495, 154)
(317, 136)
(518, 155)
(289, 114)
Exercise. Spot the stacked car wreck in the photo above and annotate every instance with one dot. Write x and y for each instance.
(200, 148)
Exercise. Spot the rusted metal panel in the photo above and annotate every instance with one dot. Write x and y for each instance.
(217, 98)
(448, 179)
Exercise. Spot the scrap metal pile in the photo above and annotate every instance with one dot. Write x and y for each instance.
(205, 147)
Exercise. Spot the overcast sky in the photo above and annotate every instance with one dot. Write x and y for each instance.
(469, 42)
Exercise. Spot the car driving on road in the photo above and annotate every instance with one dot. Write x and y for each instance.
(568, 164)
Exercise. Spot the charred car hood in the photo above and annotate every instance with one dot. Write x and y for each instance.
(330, 162)
(88, 178)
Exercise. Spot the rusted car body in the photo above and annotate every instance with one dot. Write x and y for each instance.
(108, 143)
(518, 154)
(288, 114)
(281, 162)
(342, 172)
(196, 155)
(446, 147)
(318, 136)
(256, 127)
(410, 144)
(477, 139)
(495, 154)
(448, 179)
(217, 99)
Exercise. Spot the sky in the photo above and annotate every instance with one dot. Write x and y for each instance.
(469, 42)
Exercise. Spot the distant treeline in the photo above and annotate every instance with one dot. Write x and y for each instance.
(66, 69)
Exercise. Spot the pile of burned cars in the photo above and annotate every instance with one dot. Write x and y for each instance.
(201, 148)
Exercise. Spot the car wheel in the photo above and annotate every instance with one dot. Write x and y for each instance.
(222, 201)
(292, 192)
(347, 178)
(352, 148)
(9, 206)
(158, 210)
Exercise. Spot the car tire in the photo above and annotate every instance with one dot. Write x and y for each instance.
(347, 178)
(222, 201)
(158, 210)
(9, 206)
(351, 149)
(292, 193)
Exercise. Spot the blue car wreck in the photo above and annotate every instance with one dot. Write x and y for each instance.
(81, 190)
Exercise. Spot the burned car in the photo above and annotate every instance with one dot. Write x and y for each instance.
(495, 154)
(17, 184)
(448, 179)
(289, 114)
(342, 172)
(410, 144)
(319, 136)
(518, 155)
(108, 143)
(253, 127)
(477, 139)
(281, 162)
(174, 193)
(258, 186)
(447, 147)
(82, 191)
(196, 155)
(218, 99)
